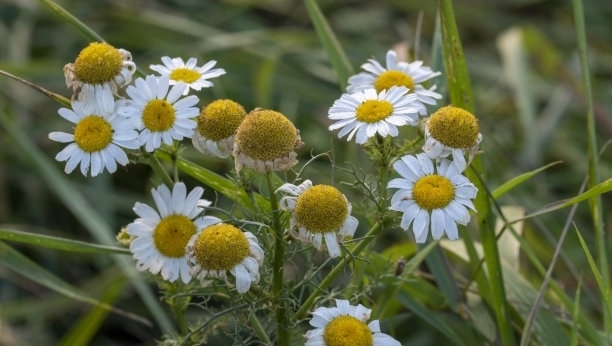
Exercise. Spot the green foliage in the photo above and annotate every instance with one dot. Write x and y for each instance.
(512, 65)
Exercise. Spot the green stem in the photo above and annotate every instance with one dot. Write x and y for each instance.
(160, 171)
(593, 177)
(305, 308)
(277, 268)
(259, 329)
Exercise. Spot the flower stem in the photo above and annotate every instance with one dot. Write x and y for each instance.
(160, 171)
(277, 268)
(305, 308)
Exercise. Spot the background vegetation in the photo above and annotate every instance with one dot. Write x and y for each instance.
(526, 81)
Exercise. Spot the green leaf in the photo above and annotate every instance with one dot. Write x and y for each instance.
(599, 189)
(216, 182)
(88, 32)
(605, 290)
(58, 243)
(519, 179)
(334, 50)
(17, 262)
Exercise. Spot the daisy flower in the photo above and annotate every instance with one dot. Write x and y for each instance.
(99, 134)
(345, 325)
(319, 212)
(193, 76)
(162, 115)
(452, 131)
(98, 71)
(436, 199)
(266, 141)
(160, 236)
(366, 113)
(398, 73)
(217, 125)
(223, 248)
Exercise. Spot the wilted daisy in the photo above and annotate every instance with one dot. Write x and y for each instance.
(99, 134)
(368, 112)
(319, 212)
(345, 325)
(160, 236)
(223, 248)
(217, 126)
(98, 71)
(193, 76)
(162, 115)
(452, 131)
(266, 141)
(436, 199)
(398, 73)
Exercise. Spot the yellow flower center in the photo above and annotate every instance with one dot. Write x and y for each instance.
(433, 192)
(321, 209)
(98, 63)
(184, 74)
(221, 247)
(93, 133)
(172, 234)
(372, 111)
(390, 78)
(347, 331)
(454, 127)
(158, 115)
(220, 119)
(266, 135)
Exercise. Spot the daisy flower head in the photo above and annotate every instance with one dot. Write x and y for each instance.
(431, 198)
(365, 113)
(266, 141)
(160, 236)
(319, 212)
(398, 73)
(222, 248)
(98, 71)
(99, 134)
(162, 115)
(188, 72)
(345, 325)
(452, 131)
(217, 125)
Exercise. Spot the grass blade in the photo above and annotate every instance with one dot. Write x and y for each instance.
(88, 32)
(58, 243)
(519, 179)
(335, 53)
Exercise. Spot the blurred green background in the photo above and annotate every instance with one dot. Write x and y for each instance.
(525, 77)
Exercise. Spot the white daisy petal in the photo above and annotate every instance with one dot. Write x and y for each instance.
(323, 316)
(423, 213)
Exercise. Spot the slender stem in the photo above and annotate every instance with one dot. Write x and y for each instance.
(259, 329)
(595, 204)
(277, 267)
(160, 171)
(361, 245)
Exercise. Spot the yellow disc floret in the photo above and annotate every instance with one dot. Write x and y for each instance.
(347, 331)
(158, 115)
(221, 247)
(184, 74)
(266, 135)
(372, 111)
(98, 63)
(220, 119)
(93, 133)
(172, 234)
(454, 127)
(391, 78)
(433, 192)
(321, 209)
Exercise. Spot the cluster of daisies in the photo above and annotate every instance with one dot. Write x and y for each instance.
(114, 117)
(432, 194)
